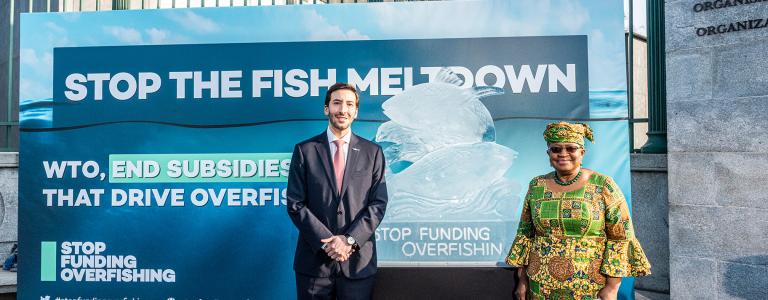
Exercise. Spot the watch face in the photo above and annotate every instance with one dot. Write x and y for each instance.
(350, 240)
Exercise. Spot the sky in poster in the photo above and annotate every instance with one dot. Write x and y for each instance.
(596, 19)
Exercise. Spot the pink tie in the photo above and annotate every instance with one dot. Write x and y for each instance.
(338, 164)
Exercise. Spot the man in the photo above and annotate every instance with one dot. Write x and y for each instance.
(336, 197)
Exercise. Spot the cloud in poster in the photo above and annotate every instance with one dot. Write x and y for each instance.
(71, 17)
(320, 29)
(38, 66)
(572, 15)
(521, 18)
(158, 36)
(125, 34)
(54, 28)
(604, 57)
(33, 90)
(515, 18)
(195, 22)
(57, 36)
(41, 64)
(133, 36)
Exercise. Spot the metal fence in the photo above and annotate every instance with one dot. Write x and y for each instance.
(637, 118)
(96, 5)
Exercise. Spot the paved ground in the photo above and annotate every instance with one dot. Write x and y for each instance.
(7, 282)
(8, 289)
(646, 295)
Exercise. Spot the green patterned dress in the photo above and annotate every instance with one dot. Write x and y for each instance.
(570, 241)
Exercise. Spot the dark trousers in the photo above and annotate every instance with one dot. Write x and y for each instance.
(334, 287)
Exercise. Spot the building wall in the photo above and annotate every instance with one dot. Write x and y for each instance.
(649, 215)
(717, 109)
(9, 202)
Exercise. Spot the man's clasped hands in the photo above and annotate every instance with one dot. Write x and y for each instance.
(337, 248)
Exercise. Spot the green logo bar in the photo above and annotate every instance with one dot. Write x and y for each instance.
(203, 167)
(47, 261)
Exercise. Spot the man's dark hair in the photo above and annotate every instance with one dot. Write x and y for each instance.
(342, 86)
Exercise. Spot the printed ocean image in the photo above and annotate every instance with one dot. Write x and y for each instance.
(608, 104)
(36, 113)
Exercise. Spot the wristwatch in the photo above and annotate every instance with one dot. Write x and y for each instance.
(352, 242)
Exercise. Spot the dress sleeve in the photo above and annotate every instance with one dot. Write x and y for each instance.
(623, 257)
(521, 247)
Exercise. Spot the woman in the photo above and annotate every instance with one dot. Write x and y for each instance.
(575, 239)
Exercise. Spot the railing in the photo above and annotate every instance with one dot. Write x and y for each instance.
(633, 86)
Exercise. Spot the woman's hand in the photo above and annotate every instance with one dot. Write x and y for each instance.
(522, 284)
(611, 289)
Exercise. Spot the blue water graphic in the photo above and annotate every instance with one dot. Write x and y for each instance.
(36, 113)
(608, 104)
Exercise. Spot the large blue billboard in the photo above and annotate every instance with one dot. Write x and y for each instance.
(155, 144)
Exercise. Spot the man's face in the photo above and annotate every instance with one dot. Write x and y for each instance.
(342, 109)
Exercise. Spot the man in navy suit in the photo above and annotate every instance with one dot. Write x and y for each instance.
(336, 197)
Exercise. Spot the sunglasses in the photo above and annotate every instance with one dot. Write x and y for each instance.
(558, 149)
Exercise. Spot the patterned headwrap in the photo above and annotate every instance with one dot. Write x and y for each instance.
(564, 132)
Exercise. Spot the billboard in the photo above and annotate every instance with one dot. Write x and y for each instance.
(155, 144)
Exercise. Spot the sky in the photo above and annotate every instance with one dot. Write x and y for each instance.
(601, 20)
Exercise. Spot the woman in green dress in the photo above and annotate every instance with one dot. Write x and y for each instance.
(575, 239)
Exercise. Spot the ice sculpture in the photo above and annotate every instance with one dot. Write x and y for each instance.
(456, 170)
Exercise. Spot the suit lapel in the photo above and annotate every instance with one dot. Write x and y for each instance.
(352, 154)
(324, 151)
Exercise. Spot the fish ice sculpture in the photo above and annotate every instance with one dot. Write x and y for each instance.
(459, 180)
(429, 116)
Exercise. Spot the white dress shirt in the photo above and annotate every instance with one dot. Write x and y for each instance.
(345, 149)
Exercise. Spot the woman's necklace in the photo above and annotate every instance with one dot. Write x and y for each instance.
(569, 182)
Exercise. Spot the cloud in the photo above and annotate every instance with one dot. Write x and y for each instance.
(194, 22)
(39, 67)
(57, 36)
(125, 34)
(606, 57)
(42, 64)
(71, 16)
(511, 18)
(572, 15)
(157, 36)
(322, 30)
(402, 20)
(164, 37)
(33, 90)
(55, 28)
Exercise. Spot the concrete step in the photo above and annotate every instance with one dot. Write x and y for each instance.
(7, 282)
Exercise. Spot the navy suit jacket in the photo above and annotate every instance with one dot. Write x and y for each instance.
(319, 211)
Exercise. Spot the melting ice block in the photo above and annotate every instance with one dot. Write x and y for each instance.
(461, 179)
